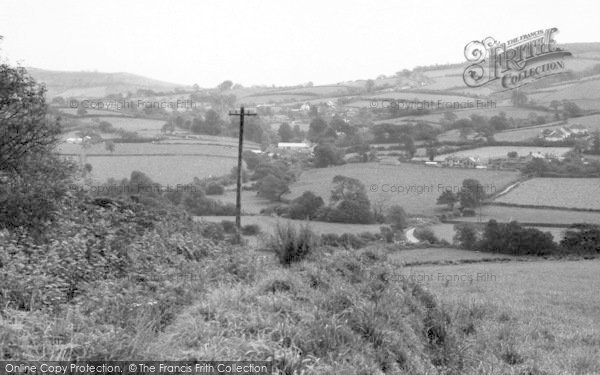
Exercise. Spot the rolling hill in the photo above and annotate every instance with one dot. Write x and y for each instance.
(95, 84)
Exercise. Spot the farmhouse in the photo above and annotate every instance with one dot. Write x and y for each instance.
(294, 149)
(78, 141)
(461, 162)
(516, 162)
(564, 133)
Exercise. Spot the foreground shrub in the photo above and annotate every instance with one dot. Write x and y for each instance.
(228, 226)
(291, 244)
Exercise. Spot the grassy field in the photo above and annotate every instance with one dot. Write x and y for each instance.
(152, 149)
(144, 127)
(585, 89)
(162, 169)
(413, 186)
(540, 315)
(486, 153)
(533, 215)
(556, 192)
(592, 123)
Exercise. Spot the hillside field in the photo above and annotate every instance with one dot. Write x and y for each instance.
(556, 192)
(152, 149)
(486, 153)
(413, 186)
(533, 215)
(162, 169)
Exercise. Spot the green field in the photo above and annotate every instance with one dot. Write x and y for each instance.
(144, 127)
(539, 314)
(152, 149)
(417, 186)
(486, 153)
(533, 215)
(162, 169)
(556, 192)
(584, 89)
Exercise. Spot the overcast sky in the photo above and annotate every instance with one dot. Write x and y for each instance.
(271, 41)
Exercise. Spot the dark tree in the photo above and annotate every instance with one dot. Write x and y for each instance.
(272, 187)
(33, 179)
(225, 85)
(448, 197)
(306, 206)
(396, 217)
(285, 132)
(25, 130)
(471, 194)
(316, 129)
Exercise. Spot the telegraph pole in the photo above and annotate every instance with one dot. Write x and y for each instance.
(238, 199)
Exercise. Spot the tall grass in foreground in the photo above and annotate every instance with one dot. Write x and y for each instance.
(291, 244)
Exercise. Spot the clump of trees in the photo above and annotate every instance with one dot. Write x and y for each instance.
(349, 203)
(505, 238)
(470, 196)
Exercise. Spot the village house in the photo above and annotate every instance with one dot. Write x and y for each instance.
(564, 133)
(516, 162)
(461, 162)
(289, 149)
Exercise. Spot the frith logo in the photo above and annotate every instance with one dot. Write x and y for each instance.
(517, 62)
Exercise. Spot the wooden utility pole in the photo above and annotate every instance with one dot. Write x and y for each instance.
(238, 199)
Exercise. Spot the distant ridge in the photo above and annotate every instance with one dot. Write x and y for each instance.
(95, 84)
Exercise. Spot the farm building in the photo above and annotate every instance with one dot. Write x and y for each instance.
(294, 149)
(516, 162)
(461, 162)
(564, 133)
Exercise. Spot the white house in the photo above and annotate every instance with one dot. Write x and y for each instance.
(295, 146)
(78, 141)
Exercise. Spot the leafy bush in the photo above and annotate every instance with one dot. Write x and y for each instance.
(292, 245)
(426, 234)
(346, 240)
(582, 239)
(513, 239)
(228, 226)
(305, 206)
(278, 210)
(31, 198)
(250, 229)
(214, 188)
(330, 239)
(349, 240)
(368, 236)
(396, 217)
(466, 236)
(196, 203)
(387, 233)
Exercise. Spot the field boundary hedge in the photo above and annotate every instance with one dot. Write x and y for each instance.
(542, 207)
